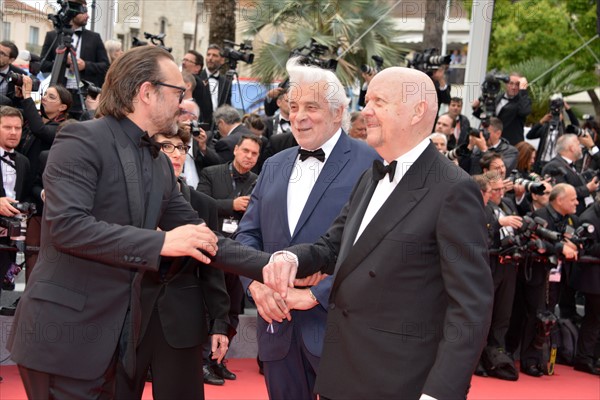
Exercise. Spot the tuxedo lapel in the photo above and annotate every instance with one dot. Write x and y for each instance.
(280, 188)
(337, 160)
(21, 172)
(132, 176)
(407, 194)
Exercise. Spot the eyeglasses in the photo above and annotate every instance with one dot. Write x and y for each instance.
(170, 147)
(185, 60)
(181, 95)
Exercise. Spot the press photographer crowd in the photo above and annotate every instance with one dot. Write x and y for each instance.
(541, 203)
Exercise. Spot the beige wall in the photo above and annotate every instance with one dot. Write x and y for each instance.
(21, 17)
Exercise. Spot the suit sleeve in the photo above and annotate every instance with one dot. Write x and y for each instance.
(467, 279)
(524, 108)
(48, 50)
(45, 132)
(98, 65)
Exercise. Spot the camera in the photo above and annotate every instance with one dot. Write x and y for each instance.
(458, 152)
(574, 129)
(429, 60)
(17, 80)
(243, 54)
(556, 105)
(476, 132)
(68, 10)
(196, 126)
(89, 89)
(531, 186)
(367, 69)
(17, 226)
(311, 55)
(156, 40)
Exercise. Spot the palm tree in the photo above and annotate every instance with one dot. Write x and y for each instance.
(353, 31)
(567, 80)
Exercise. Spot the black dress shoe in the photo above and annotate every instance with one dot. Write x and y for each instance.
(222, 372)
(586, 367)
(480, 371)
(532, 370)
(210, 378)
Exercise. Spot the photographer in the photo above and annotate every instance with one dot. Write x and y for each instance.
(494, 142)
(462, 125)
(219, 92)
(15, 184)
(548, 130)
(92, 59)
(229, 124)
(512, 107)
(586, 279)
(8, 54)
(502, 221)
(535, 294)
(40, 127)
(562, 169)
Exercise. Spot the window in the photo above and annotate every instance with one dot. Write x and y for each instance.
(6, 31)
(163, 25)
(187, 42)
(34, 35)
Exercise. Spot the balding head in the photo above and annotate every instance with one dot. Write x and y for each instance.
(400, 112)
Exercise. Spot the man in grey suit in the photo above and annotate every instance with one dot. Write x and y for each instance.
(412, 291)
(108, 187)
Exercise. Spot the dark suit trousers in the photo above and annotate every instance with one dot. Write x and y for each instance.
(589, 334)
(177, 376)
(535, 301)
(505, 280)
(284, 378)
(42, 386)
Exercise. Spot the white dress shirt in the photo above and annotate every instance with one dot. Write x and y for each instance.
(302, 180)
(9, 176)
(385, 187)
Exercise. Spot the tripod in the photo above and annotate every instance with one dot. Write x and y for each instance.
(229, 83)
(64, 51)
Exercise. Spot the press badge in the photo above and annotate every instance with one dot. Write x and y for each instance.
(230, 225)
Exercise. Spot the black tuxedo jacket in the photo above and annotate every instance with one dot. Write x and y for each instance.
(217, 182)
(224, 147)
(204, 100)
(93, 53)
(420, 268)
(23, 182)
(586, 276)
(563, 173)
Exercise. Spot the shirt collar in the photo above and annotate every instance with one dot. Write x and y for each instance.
(328, 146)
(132, 131)
(406, 160)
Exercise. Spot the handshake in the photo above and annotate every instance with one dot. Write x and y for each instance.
(280, 293)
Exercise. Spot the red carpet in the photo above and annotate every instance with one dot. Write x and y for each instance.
(565, 384)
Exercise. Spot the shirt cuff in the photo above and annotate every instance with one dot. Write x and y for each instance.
(426, 397)
(287, 255)
(593, 150)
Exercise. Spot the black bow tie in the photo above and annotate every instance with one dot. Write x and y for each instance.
(78, 33)
(319, 154)
(240, 178)
(147, 141)
(213, 77)
(380, 170)
(283, 121)
(12, 156)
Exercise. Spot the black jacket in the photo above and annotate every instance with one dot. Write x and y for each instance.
(512, 115)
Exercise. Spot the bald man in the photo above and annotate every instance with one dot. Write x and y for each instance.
(411, 300)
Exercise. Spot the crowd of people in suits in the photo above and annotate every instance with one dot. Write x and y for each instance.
(298, 183)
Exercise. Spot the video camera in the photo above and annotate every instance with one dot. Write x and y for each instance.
(556, 105)
(243, 54)
(574, 129)
(310, 55)
(367, 69)
(156, 40)
(489, 91)
(429, 60)
(68, 11)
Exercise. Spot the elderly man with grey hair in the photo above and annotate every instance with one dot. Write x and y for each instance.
(299, 193)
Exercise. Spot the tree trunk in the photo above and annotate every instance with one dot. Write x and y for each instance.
(595, 101)
(222, 21)
(434, 24)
